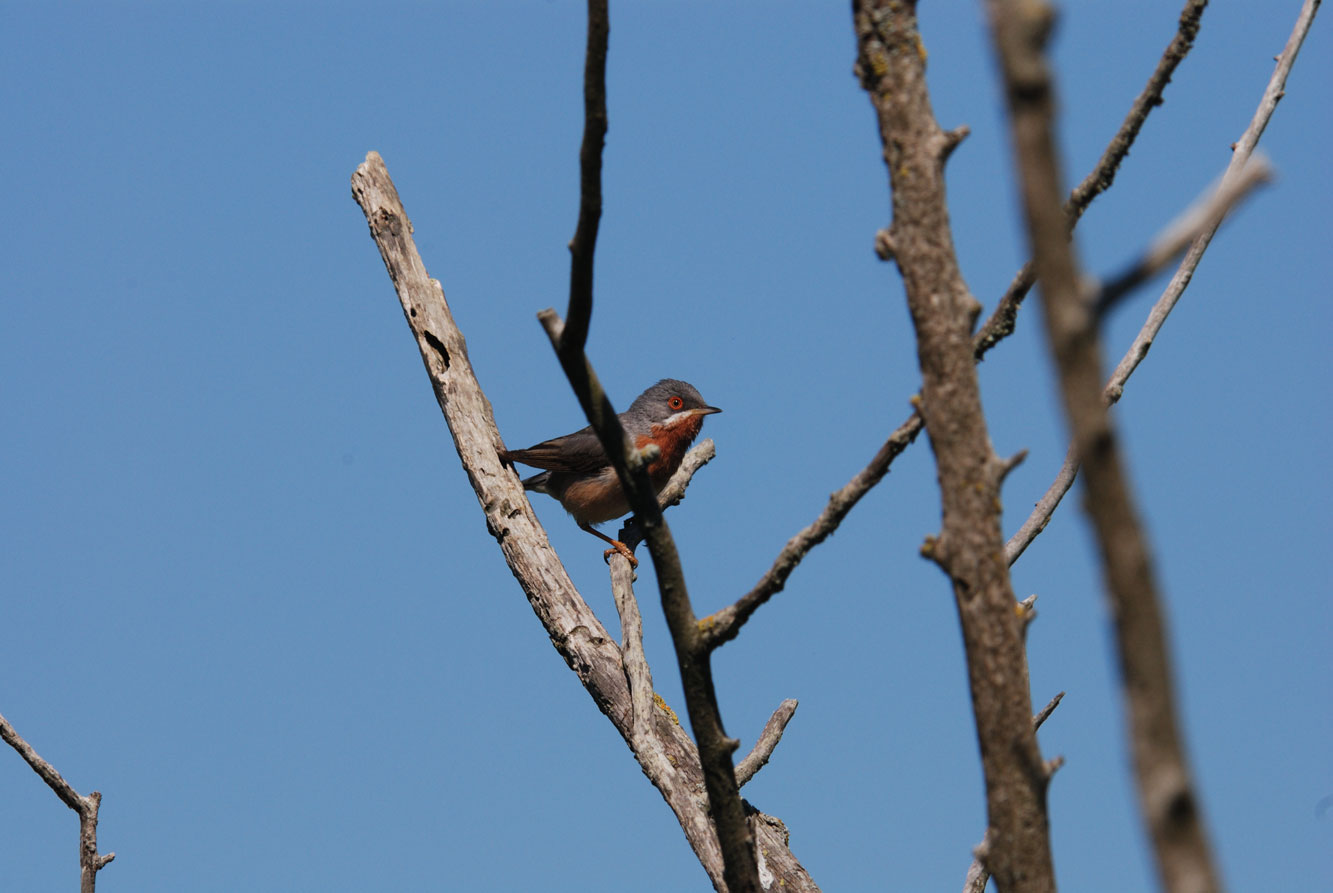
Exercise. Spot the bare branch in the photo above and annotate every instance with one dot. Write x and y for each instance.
(584, 243)
(759, 755)
(1171, 810)
(1045, 712)
(1205, 215)
(977, 875)
(724, 625)
(1099, 179)
(574, 630)
(891, 67)
(1115, 388)
(1041, 515)
(90, 861)
(740, 868)
(637, 673)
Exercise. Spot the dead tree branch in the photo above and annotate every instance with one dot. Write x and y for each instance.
(90, 861)
(740, 869)
(1205, 215)
(670, 759)
(977, 875)
(891, 66)
(759, 755)
(725, 624)
(1099, 179)
(1170, 807)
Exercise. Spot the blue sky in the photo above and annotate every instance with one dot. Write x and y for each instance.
(248, 593)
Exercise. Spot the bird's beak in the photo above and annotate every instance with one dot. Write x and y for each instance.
(706, 410)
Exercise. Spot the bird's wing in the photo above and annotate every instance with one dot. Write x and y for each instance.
(579, 452)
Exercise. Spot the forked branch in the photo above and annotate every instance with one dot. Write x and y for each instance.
(90, 861)
(669, 758)
(891, 66)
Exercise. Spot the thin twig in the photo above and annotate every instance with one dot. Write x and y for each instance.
(740, 869)
(768, 739)
(1202, 218)
(90, 861)
(1045, 712)
(1099, 179)
(584, 243)
(724, 625)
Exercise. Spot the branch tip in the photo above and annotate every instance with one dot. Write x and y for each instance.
(884, 245)
(951, 140)
(1045, 712)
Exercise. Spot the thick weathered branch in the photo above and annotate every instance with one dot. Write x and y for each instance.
(1170, 807)
(891, 65)
(90, 861)
(977, 875)
(1045, 507)
(672, 765)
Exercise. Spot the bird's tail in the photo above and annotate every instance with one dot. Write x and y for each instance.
(537, 482)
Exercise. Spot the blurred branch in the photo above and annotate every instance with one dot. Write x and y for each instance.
(1203, 218)
(1205, 215)
(669, 758)
(1138, 350)
(969, 549)
(1020, 29)
(90, 861)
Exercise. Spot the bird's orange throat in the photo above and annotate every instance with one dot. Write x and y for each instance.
(673, 440)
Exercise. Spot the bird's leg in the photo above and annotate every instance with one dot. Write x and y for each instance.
(616, 546)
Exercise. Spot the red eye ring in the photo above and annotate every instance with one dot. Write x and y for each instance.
(675, 403)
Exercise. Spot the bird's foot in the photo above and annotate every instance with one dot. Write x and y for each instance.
(618, 546)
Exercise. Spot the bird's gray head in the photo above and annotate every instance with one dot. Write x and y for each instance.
(668, 399)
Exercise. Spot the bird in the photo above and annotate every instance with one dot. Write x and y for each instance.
(579, 475)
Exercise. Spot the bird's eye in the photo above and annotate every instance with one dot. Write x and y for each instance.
(675, 403)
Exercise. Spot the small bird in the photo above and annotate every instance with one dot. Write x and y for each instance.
(578, 473)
